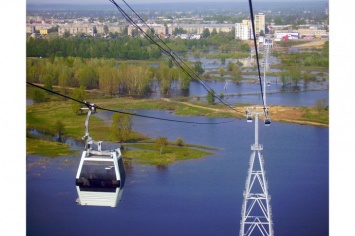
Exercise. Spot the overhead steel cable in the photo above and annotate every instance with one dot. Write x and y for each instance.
(128, 113)
(257, 55)
(169, 52)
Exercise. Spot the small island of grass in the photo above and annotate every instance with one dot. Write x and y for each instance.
(149, 154)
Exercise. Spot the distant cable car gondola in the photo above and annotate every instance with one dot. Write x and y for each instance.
(267, 121)
(101, 175)
(249, 118)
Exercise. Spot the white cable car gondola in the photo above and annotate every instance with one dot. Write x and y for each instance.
(267, 121)
(101, 175)
(249, 118)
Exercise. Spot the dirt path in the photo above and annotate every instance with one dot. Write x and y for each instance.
(316, 44)
(277, 113)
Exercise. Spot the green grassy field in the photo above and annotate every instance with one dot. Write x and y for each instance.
(43, 116)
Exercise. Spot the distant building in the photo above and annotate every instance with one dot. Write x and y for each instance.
(199, 28)
(30, 29)
(243, 30)
(75, 29)
(312, 31)
(42, 28)
(36, 35)
(286, 35)
(265, 42)
(158, 28)
(301, 33)
(195, 36)
(111, 28)
(39, 27)
(259, 22)
(43, 31)
(272, 28)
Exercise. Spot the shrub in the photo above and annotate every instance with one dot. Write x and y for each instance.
(39, 96)
(180, 142)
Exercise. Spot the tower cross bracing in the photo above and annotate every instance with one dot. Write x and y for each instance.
(256, 208)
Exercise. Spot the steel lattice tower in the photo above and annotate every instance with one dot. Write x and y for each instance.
(256, 208)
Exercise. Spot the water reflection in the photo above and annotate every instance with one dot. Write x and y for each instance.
(29, 101)
(74, 144)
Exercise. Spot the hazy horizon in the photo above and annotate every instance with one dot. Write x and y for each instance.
(155, 1)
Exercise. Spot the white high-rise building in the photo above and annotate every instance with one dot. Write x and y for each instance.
(243, 30)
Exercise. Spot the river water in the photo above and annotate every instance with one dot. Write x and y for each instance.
(250, 92)
(195, 197)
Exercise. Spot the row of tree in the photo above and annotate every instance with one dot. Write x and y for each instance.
(295, 75)
(127, 47)
(108, 75)
(317, 58)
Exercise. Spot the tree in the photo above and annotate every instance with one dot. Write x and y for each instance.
(134, 32)
(198, 68)
(109, 79)
(222, 71)
(66, 34)
(179, 30)
(206, 33)
(160, 143)
(39, 95)
(284, 78)
(59, 128)
(87, 76)
(210, 96)
(170, 63)
(185, 79)
(244, 47)
(237, 73)
(321, 104)
(306, 77)
(295, 75)
(106, 29)
(165, 77)
(278, 21)
(78, 94)
(223, 61)
(180, 142)
(48, 81)
(214, 32)
(121, 126)
(230, 66)
(64, 77)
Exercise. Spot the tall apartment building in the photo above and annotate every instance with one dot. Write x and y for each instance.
(243, 30)
(259, 21)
